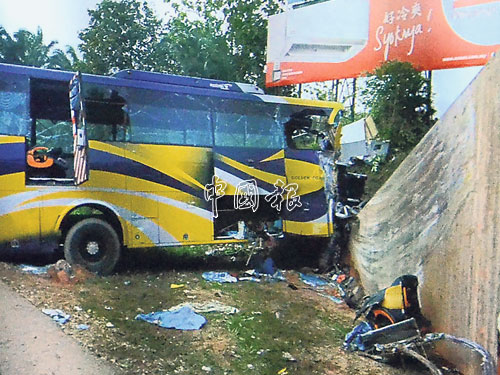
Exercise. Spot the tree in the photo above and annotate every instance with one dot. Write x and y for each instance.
(26, 48)
(68, 60)
(219, 39)
(121, 35)
(398, 96)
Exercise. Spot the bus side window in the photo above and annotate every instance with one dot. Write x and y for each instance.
(14, 114)
(241, 123)
(161, 117)
(107, 113)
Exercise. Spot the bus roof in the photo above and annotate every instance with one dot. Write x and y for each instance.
(170, 82)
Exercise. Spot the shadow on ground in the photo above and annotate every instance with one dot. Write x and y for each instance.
(290, 254)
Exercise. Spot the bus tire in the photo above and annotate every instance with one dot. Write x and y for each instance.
(93, 244)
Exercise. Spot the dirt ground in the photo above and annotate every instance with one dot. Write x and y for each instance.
(30, 343)
(276, 328)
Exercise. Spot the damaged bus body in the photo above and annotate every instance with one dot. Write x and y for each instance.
(169, 161)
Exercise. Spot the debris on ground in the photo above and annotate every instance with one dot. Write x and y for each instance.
(288, 357)
(312, 280)
(185, 319)
(257, 276)
(207, 307)
(57, 315)
(393, 325)
(176, 286)
(35, 270)
(219, 277)
(82, 327)
(394, 304)
(353, 341)
(249, 275)
(325, 287)
(61, 272)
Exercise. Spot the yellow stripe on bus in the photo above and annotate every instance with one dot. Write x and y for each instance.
(306, 229)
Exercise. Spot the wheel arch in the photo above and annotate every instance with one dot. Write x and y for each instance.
(111, 216)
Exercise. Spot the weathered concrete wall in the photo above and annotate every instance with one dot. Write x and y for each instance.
(438, 217)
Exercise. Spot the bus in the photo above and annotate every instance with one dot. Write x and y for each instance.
(167, 160)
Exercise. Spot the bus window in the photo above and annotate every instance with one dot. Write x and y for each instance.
(14, 115)
(51, 138)
(306, 128)
(50, 114)
(247, 124)
(106, 113)
(169, 118)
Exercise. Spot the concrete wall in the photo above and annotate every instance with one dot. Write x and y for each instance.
(438, 217)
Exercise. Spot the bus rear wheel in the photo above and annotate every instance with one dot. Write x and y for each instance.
(93, 244)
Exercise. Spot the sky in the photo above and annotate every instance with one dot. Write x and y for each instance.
(62, 20)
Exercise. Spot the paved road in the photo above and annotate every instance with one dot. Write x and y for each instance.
(32, 344)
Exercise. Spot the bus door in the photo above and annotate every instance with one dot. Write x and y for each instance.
(171, 139)
(249, 164)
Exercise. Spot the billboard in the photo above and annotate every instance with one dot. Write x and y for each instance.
(335, 39)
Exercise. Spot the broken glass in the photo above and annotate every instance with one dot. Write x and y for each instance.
(14, 115)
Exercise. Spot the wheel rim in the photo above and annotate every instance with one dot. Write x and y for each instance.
(92, 250)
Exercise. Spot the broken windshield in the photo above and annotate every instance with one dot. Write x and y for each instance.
(305, 128)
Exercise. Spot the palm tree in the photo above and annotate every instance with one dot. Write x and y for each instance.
(26, 48)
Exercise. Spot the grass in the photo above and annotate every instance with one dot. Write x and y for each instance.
(268, 325)
(275, 323)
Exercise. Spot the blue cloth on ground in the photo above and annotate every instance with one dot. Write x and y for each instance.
(353, 339)
(57, 315)
(312, 280)
(267, 267)
(184, 318)
(35, 270)
(219, 277)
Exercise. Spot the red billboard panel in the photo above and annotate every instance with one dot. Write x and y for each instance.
(338, 39)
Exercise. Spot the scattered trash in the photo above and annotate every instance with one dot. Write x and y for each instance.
(256, 276)
(184, 319)
(250, 275)
(57, 315)
(287, 356)
(207, 307)
(313, 280)
(127, 282)
(78, 308)
(267, 267)
(352, 340)
(340, 278)
(283, 371)
(333, 298)
(82, 327)
(206, 369)
(219, 277)
(176, 286)
(109, 308)
(34, 269)
(250, 366)
(110, 325)
(394, 304)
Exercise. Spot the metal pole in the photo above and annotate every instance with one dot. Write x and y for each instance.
(353, 98)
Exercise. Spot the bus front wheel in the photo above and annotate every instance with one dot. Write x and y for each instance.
(93, 244)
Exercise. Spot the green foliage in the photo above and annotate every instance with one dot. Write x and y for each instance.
(398, 96)
(121, 35)
(219, 39)
(26, 48)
